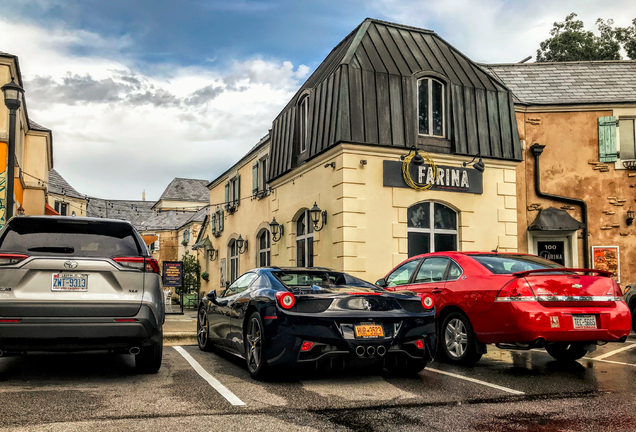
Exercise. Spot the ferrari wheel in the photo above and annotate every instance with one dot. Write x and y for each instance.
(203, 331)
(564, 351)
(458, 341)
(254, 347)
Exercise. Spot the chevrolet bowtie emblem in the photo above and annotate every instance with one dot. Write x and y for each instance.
(577, 286)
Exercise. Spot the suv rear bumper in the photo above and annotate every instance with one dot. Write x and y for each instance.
(79, 334)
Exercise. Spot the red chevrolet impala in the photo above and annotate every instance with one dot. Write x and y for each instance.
(515, 301)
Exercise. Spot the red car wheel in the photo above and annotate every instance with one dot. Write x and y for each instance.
(457, 340)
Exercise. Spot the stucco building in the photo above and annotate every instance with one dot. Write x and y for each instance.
(339, 145)
(578, 120)
(33, 151)
(63, 197)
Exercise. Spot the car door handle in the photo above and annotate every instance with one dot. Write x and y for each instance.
(437, 291)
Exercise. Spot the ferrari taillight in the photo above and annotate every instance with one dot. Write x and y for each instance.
(517, 289)
(286, 300)
(427, 302)
(8, 259)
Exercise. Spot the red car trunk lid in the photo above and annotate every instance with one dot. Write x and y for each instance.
(575, 290)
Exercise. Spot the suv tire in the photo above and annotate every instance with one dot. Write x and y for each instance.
(148, 361)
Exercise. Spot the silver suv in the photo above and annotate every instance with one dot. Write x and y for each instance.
(79, 284)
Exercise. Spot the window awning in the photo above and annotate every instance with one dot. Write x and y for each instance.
(205, 243)
(553, 219)
(50, 211)
(149, 239)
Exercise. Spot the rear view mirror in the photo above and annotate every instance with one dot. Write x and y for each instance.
(381, 283)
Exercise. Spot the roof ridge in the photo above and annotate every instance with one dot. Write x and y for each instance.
(558, 63)
(402, 26)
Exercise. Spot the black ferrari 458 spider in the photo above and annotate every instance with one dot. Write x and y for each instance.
(291, 316)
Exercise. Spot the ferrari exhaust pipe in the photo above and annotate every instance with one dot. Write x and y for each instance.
(370, 350)
(360, 350)
(381, 350)
(134, 350)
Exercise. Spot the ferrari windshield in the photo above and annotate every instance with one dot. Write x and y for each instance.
(322, 279)
(508, 264)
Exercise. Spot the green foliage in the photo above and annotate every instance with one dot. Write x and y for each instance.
(570, 42)
(191, 274)
(205, 275)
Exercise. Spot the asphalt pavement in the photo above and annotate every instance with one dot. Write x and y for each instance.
(195, 390)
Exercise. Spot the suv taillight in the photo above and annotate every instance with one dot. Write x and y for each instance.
(8, 259)
(517, 289)
(149, 265)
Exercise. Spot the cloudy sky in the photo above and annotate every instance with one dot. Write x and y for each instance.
(138, 92)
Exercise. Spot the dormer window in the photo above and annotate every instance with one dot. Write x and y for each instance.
(303, 109)
(431, 107)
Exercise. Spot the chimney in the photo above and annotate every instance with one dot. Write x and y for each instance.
(143, 195)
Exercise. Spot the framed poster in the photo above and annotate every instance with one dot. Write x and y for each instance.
(607, 258)
(222, 272)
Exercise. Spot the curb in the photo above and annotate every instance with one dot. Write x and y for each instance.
(179, 338)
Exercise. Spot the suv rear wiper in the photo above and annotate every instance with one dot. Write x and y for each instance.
(59, 249)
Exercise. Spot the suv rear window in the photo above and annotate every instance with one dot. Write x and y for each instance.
(508, 264)
(70, 237)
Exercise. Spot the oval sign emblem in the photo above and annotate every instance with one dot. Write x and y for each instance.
(70, 265)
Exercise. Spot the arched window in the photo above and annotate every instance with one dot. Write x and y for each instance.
(234, 260)
(432, 227)
(431, 105)
(304, 241)
(303, 109)
(264, 257)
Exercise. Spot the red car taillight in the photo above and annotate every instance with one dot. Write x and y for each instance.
(516, 290)
(617, 289)
(8, 259)
(427, 302)
(286, 300)
(149, 265)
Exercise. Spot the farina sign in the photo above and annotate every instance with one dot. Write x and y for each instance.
(451, 179)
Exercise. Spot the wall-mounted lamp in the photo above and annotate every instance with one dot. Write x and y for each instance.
(315, 214)
(416, 159)
(479, 165)
(21, 211)
(363, 162)
(241, 245)
(630, 217)
(213, 254)
(278, 230)
(330, 164)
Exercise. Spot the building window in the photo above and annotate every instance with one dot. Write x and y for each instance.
(264, 246)
(234, 260)
(627, 136)
(259, 178)
(303, 110)
(233, 193)
(430, 107)
(216, 223)
(432, 227)
(61, 208)
(304, 241)
(186, 236)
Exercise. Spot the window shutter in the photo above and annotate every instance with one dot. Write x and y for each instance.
(213, 223)
(221, 220)
(607, 139)
(237, 190)
(254, 178)
(227, 192)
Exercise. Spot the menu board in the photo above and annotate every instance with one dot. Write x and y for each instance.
(607, 258)
(172, 273)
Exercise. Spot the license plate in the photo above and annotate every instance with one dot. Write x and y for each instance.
(584, 321)
(369, 331)
(69, 282)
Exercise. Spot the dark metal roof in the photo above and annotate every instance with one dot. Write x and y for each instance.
(59, 186)
(365, 92)
(34, 126)
(136, 212)
(553, 219)
(181, 189)
(586, 82)
(198, 216)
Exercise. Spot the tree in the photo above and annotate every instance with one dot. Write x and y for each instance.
(570, 42)
(191, 274)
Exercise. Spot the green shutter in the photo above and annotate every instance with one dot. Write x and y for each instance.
(254, 178)
(607, 139)
(221, 220)
(227, 192)
(213, 223)
(237, 191)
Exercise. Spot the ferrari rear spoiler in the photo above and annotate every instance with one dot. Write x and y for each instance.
(564, 269)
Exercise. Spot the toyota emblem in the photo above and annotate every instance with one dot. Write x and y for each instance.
(70, 265)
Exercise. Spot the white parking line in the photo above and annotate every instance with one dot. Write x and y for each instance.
(616, 351)
(227, 394)
(609, 361)
(495, 386)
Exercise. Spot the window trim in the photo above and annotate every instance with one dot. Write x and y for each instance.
(444, 85)
(431, 229)
(305, 237)
(233, 258)
(303, 117)
(618, 164)
(268, 249)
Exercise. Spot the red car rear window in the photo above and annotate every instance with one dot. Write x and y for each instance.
(508, 263)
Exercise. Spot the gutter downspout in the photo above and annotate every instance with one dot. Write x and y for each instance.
(536, 150)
